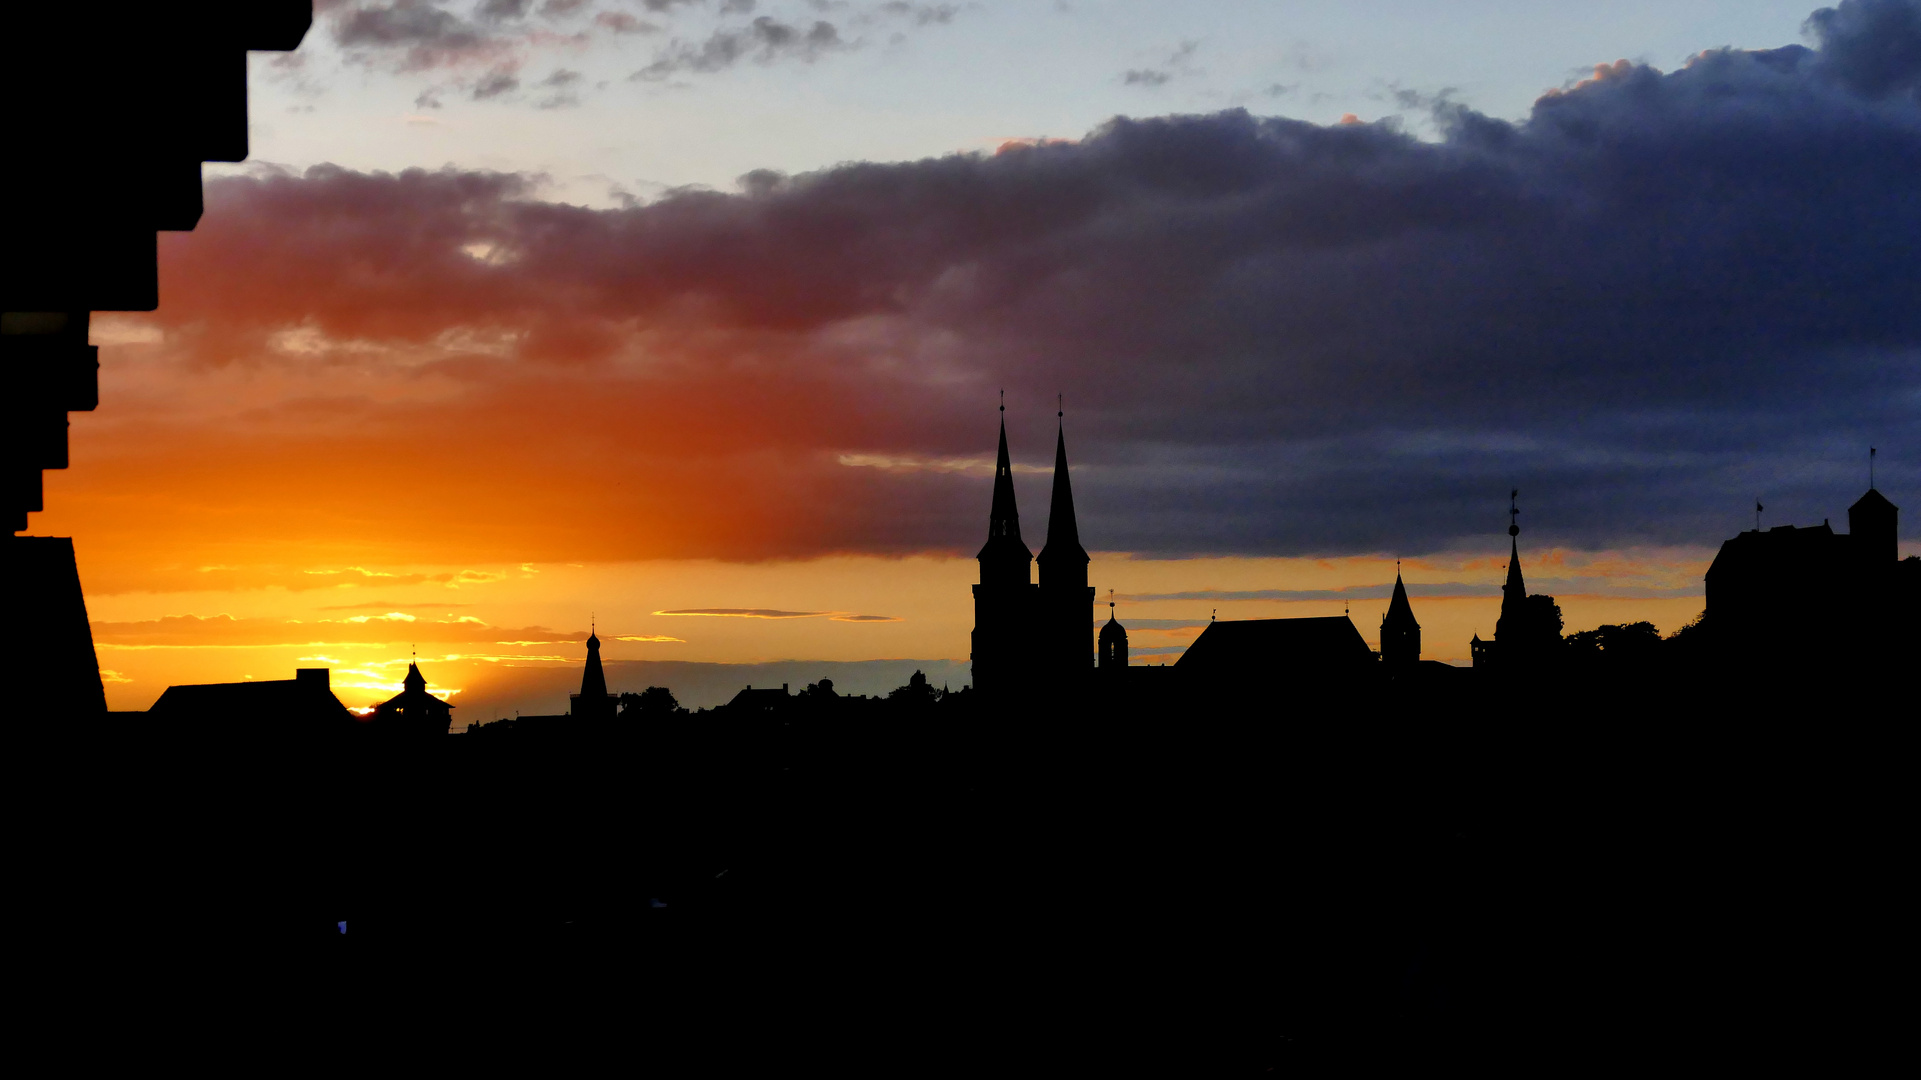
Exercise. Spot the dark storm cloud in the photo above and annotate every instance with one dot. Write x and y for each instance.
(1871, 46)
(1656, 298)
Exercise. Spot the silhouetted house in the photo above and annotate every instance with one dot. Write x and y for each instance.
(1400, 634)
(592, 702)
(413, 711)
(1794, 596)
(752, 702)
(1031, 638)
(1254, 656)
(303, 704)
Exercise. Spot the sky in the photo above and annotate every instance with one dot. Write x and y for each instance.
(529, 318)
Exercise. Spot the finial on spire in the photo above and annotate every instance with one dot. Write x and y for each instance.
(1513, 512)
(1003, 399)
(1215, 614)
(1060, 406)
(1870, 468)
(1110, 603)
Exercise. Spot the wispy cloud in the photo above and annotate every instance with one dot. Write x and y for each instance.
(747, 613)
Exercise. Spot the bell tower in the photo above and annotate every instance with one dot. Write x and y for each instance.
(1005, 600)
(1067, 600)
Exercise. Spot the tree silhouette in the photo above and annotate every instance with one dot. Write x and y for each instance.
(651, 703)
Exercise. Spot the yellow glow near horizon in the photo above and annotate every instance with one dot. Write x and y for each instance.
(534, 616)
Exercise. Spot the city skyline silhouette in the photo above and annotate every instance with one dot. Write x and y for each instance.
(467, 547)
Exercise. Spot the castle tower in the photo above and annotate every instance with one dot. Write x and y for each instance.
(1113, 646)
(1874, 522)
(1004, 601)
(1065, 597)
(1400, 634)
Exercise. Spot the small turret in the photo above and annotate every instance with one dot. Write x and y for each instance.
(1113, 644)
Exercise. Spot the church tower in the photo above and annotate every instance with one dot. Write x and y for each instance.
(592, 702)
(1113, 647)
(1511, 625)
(1400, 634)
(1067, 601)
(1004, 601)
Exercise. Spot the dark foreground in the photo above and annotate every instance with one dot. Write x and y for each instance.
(1220, 886)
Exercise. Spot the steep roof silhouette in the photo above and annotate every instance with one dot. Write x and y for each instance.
(593, 682)
(1063, 534)
(1004, 545)
(1514, 592)
(1400, 614)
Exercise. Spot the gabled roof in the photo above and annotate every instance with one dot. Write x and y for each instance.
(752, 700)
(1753, 549)
(1873, 500)
(302, 702)
(1251, 647)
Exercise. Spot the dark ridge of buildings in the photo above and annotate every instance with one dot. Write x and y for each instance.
(304, 703)
(765, 700)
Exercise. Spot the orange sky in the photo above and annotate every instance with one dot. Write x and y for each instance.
(334, 446)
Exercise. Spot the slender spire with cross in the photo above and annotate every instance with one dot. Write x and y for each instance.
(1513, 513)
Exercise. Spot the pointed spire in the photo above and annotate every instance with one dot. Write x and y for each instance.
(414, 680)
(1400, 613)
(1514, 592)
(1004, 557)
(1063, 545)
(593, 681)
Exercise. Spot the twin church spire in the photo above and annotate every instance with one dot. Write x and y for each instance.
(1006, 557)
(1030, 636)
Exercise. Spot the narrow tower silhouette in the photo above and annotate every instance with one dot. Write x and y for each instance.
(592, 701)
(1004, 601)
(1113, 646)
(1400, 634)
(1513, 594)
(1066, 600)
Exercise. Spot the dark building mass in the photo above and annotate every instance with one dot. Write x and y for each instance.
(1811, 597)
(1031, 638)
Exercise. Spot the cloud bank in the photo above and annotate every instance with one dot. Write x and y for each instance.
(1658, 296)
